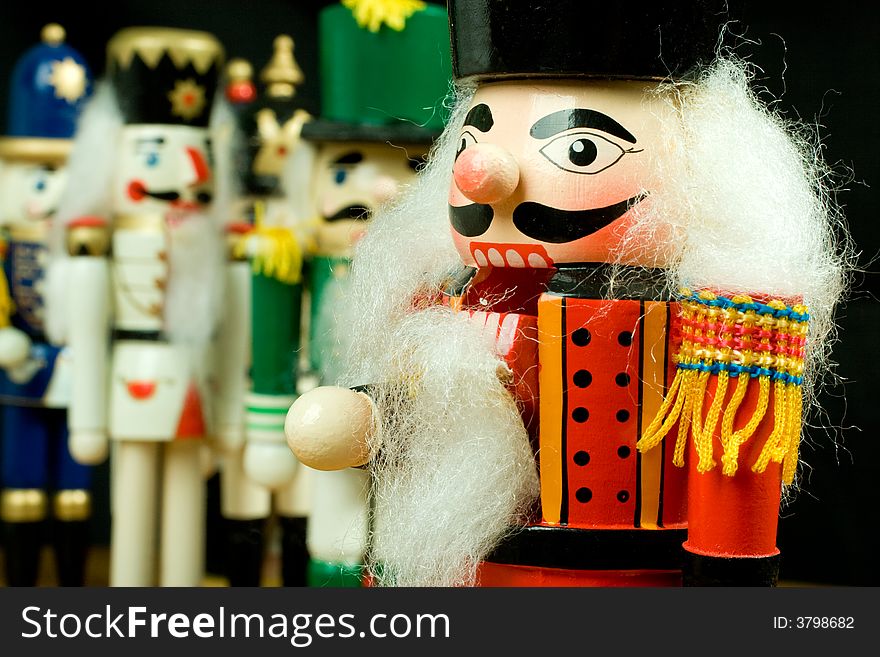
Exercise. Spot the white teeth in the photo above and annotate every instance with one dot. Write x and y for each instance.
(514, 259)
(495, 258)
(537, 261)
(480, 258)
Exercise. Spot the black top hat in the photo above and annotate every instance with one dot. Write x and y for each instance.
(635, 39)
(164, 75)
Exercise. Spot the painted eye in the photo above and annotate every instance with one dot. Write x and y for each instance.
(467, 140)
(583, 152)
(339, 176)
(152, 160)
(40, 184)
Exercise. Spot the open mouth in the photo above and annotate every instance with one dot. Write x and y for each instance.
(520, 256)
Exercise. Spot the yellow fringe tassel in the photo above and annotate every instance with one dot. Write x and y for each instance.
(705, 324)
(7, 306)
(731, 442)
(705, 462)
(789, 466)
(274, 251)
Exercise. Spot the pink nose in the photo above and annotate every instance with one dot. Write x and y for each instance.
(486, 173)
(200, 167)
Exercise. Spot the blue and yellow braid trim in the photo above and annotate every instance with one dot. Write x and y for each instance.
(751, 343)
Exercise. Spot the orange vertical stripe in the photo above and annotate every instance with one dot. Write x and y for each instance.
(550, 337)
(653, 346)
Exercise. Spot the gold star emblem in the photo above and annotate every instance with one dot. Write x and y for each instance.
(69, 79)
(187, 99)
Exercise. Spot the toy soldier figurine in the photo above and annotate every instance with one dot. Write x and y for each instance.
(142, 173)
(262, 319)
(381, 93)
(600, 160)
(49, 86)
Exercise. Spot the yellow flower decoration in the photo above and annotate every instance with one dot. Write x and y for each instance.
(187, 99)
(69, 79)
(370, 14)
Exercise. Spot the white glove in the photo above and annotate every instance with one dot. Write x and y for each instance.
(15, 347)
(89, 446)
(269, 464)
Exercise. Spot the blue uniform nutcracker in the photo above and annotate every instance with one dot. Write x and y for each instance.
(39, 477)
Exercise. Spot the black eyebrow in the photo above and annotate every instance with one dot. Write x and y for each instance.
(480, 117)
(579, 118)
(352, 157)
(151, 140)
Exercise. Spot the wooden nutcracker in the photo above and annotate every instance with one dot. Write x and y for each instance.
(48, 88)
(383, 77)
(268, 241)
(613, 393)
(142, 293)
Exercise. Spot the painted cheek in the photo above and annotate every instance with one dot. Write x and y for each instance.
(136, 190)
(34, 208)
(601, 246)
(463, 246)
(384, 189)
(329, 206)
(357, 234)
(456, 198)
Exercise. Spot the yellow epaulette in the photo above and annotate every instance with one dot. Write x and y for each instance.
(735, 338)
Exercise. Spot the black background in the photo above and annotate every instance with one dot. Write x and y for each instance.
(819, 61)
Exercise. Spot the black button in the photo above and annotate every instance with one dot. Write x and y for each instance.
(581, 337)
(625, 338)
(580, 414)
(584, 495)
(582, 378)
(623, 496)
(622, 415)
(581, 458)
(623, 451)
(622, 379)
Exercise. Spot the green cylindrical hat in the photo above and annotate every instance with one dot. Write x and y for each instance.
(382, 82)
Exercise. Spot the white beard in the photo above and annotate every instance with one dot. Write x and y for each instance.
(456, 469)
(196, 259)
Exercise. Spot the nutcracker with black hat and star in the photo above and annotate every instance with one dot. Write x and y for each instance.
(269, 233)
(632, 247)
(48, 88)
(138, 276)
(384, 73)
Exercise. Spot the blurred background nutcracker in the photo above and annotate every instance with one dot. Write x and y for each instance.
(141, 183)
(384, 72)
(577, 417)
(40, 480)
(261, 326)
